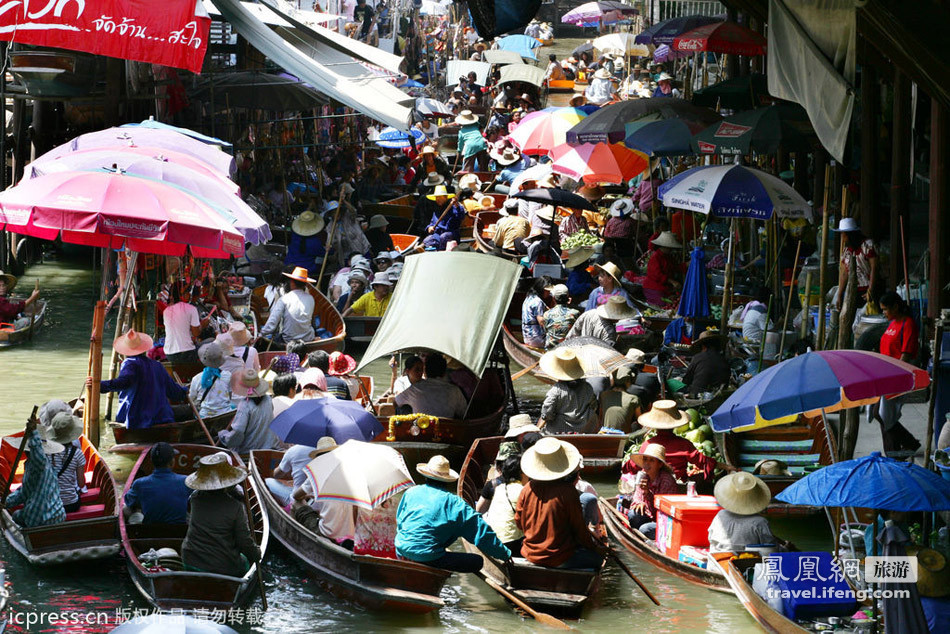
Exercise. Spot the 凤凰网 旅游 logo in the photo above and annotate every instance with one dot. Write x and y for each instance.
(698, 188)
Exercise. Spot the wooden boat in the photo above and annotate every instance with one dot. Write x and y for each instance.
(770, 620)
(634, 541)
(560, 85)
(404, 242)
(802, 445)
(170, 587)
(360, 329)
(10, 335)
(558, 590)
(132, 441)
(376, 582)
(484, 220)
(400, 207)
(91, 532)
(323, 309)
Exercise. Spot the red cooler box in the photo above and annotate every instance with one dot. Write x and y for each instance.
(683, 521)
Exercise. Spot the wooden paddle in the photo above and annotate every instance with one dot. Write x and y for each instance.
(194, 410)
(613, 555)
(521, 373)
(30, 426)
(540, 617)
(257, 564)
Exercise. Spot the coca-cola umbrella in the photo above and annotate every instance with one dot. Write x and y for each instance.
(109, 209)
(609, 124)
(666, 31)
(721, 37)
(151, 138)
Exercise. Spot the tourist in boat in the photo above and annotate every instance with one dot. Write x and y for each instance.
(511, 163)
(446, 222)
(182, 326)
(664, 87)
(511, 229)
(375, 533)
(161, 497)
(559, 319)
(413, 372)
(899, 341)
(618, 408)
(357, 262)
(291, 468)
(500, 514)
(601, 88)
(10, 309)
(357, 283)
(306, 249)
(50, 409)
(602, 323)
(291, 317)
(210, 389)
(431, 517)
(664, 272)
(432, 170)
(284, 387)
(250, 428)
(554, 72)
(377, 234)
(339, 368)
(532, 313)
(472, 146)
(862, 250)
(313, 384)
(549, 512)
(434, 395)
(143, 385)
(70, 464)
(333, 519)
(570, 406)
(742, 497)
(658, 480)
(608, 278)
(708, 370)
(506, 449)
(375, 302)
(241, 351)
(219, 539)
(39, 493)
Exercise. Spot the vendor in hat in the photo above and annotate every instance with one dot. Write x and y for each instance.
(862, 250)
(602, 322)
(39, 494)
(579, 281)
(608, 278)
(618, 408)
(559, 319)
(570, 406)
(291, 316)
(243, 354)
(658, 480)
(375, 302)
(742, 497)
(472, 146)
(219, 538)
(664, 87)
(601, 88)
(162, 496)
(431, 517)
(549, 510)
(511, 162)
(430, 163)
(377, 234)
(681, 456)
(664, 271)
(210, 389)
(144, 385)
(9, 309)
(305, 248)
(250, 428)
(623, 220)
(708, 369)
(446, 222)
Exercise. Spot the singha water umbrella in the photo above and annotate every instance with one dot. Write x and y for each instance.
(359, 473)
(655, 136)
(521, 44)
(874, 481)
(594, 13)
(721, 37)
(733, 191)
(694, 300)
(598, 163)
(305, 422)
(828, 380)
(666, 31)
(542, 131)
(621, 44)
(395, 139)
(609, 124)
(761, 130)
(555, 196)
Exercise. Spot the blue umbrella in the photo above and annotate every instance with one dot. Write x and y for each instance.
(394, 139)
(659, 137)
(305, 422)
(666, 31)
(521, 44)
(873, 481)
(158, 125)
(694, 300)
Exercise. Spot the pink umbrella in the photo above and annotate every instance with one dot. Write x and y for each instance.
(108, 209)
(540, 131)
(598, 163)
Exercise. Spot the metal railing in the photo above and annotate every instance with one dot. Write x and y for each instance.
(665, 9)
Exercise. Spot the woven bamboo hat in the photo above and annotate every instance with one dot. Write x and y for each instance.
(742, 493)
(771, 467)
(325, 444)
(653, 450)
(248, 384)
(663, 415)
(933, 573)
(520, 424)
(561, 364)
(610, 269)
(636, 356)
(438, 469)
(578, 256)
(470, 181)
(707, 337)
(615, 309)
(433, 179)
(668, 240)
(466, 117)
(602, 73)
(508, 156)
(11, 280)
(132, 343)
(308, 224)
(550, 459)
(215, 472)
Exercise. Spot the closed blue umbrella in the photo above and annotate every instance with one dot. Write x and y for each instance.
(307, 421)
(395, 139)
(873, 481)
(659, 137)
(694, 300)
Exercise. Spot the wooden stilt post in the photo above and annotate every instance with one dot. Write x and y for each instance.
(823, 263)
(90, 413)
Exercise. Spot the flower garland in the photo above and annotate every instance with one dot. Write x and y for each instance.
(419, 422)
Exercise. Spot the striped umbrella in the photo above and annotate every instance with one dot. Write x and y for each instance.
(395, 139)
(598, 163)
(359, 473)
(540, 132)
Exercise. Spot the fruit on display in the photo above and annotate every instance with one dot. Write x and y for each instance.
(579, 239)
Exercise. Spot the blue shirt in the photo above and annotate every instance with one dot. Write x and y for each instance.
(579, 282)
(452, 222)
(144, 388)
(162, 496)
(510, 173)
(532, 308)
(303, 250)
(430, 519)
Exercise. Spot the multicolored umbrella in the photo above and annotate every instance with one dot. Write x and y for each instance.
(595, 13)
(542, 131)
(663, 53)
(305, 422)
(655, 136)
(761, 130)
(521, 44)
(828, 380)
(395, 139)
(534, 173)
(694, 300)
(359, 473)
(721, 37)
(733, 191)
(598, 163)
(621, 44)
(609, 124)
(666, 31)
(873, 481)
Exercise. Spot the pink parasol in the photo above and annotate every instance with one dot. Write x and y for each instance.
(598, 163)
(541, 131)
(108, 209)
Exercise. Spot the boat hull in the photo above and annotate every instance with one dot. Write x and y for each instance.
(37, 313)
(189, 431)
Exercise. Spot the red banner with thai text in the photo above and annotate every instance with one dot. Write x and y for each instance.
(171, 32)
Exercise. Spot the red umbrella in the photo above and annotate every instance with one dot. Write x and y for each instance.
(109, 209)
(598, 163)
(721, 37)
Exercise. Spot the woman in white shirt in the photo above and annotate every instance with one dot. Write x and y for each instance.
(210, 390)
(501, 512)
(182, 326)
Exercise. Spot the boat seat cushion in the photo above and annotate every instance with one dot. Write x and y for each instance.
(89, 496)
(86, 512)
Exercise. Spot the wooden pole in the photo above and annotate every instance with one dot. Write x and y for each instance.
(932, 401)
(788, 304)
(90, 412)
(623, 566)
(765, 332)
(120, 323)
(806, 308)
(194, 410)
(336, 219)
(30, 426)
(727, 282)
(823, 263)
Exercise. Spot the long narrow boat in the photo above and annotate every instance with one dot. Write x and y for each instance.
(360, 329)
(323, 309)
(484, 220)
(10, 335)
(557, 590)
(132, 441)
(560, 85)
(164, 584)
(91, 532)
(400, 207)
(635, 541)
(770, 620)
(375, 582)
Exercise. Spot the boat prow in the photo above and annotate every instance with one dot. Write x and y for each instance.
(11, 335)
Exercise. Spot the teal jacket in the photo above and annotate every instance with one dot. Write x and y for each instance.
(471, 141)
(429, 520)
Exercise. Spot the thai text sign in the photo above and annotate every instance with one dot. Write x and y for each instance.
(170, 34)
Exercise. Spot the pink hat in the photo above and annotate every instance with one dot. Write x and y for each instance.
(313, 376)
(341, 364)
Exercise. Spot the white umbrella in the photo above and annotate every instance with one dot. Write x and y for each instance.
(622, 44)
(534, 173)
(360, 473)
(429, 106)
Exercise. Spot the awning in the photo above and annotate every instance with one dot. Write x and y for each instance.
(327, 68)
(521, 72)
(502, 57)
(461, 68)
(452, 303)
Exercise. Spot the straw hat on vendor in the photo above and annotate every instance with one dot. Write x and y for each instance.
(615, 309)
(652, 450)
(507, 156)
(561, 364)
(666, 240)
(577, 256)
(771, 467)
(324, 445)
(470, 181)
(9, 280)
(610, 269)
(308, 224)
(550, 459)
(215, 472)
(466, 117)
(132, 343)
(663, 415)
(438, 469)
(520, 424)
(742, 493)
(708, 338)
